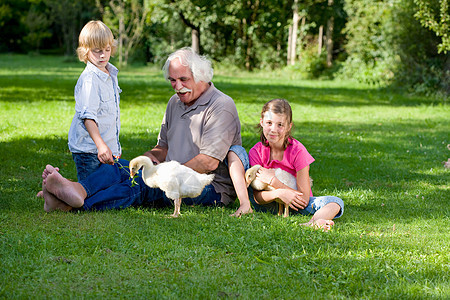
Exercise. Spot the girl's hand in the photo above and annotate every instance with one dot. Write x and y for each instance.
(293, 198)
(265, 175)
(105, 155)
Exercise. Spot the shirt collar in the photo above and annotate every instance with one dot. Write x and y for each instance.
(102, 75)
(266, 152)
(204, 98)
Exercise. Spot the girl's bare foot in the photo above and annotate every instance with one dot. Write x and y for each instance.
(323, 224)
(52, 203)
(72, 193)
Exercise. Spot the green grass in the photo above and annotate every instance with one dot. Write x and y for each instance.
(378, 149)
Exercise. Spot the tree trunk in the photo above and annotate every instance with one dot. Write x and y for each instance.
(121, 37)
(195, 36)
(289, 46)
(320, 40)
(302, 36)
(329, 44)
(195, 32)
(295, 19)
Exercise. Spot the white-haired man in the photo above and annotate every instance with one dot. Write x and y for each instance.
(200, 129)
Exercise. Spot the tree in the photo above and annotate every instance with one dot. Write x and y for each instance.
(12, 29)
(329, 35)
(191, 13)
(292, 39)
(126, 18)
(38, 27)
(439, 24)
(66, 15)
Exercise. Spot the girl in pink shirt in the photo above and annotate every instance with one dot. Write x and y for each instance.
(277, 149)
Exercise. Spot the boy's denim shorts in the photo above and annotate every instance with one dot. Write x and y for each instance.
(86, 163)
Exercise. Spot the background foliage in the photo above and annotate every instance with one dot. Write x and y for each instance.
(397, 42)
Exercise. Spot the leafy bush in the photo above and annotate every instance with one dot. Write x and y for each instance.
(387, 45)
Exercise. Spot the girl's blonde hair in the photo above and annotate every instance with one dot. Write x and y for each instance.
(95, 35)
(280, 107)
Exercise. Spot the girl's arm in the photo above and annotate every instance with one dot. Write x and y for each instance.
(104, 153)
(288, 196)
(295, 198)
(303, 184)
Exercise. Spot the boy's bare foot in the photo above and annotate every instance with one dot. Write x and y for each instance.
(52, 203)
(323, 224)
(72, 193)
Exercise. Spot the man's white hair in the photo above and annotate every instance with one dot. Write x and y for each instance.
(199, 65)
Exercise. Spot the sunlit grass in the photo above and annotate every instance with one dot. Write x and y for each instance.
(380, 150)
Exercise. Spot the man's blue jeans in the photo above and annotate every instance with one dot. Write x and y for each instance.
(110, 187)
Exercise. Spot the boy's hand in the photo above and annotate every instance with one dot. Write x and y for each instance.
(105, 155)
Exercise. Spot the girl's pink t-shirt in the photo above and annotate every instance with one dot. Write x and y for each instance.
(295, 157)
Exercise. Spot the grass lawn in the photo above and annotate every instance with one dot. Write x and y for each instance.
(380, 150)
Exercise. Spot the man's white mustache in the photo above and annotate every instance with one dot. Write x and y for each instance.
(183, 90)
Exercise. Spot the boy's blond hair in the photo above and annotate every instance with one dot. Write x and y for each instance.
(95, 35)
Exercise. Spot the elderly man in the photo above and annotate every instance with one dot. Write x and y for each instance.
(200, 129)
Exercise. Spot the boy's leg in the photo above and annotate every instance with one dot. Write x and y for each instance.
(237, 173)
(85, 163)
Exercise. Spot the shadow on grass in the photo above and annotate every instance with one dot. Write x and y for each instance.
(152, 88)
(378, 172)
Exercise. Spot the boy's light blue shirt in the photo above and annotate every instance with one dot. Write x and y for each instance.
(97, 97)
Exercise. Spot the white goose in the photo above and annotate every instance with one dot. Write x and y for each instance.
(283, 176)
(176, 180)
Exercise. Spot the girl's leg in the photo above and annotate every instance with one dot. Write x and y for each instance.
(323, 217)
(323, 209)
(237, 174)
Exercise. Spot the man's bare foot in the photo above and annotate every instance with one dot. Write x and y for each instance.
(52, 203)
(49, 169)
(242, 210)
(72, 193)
(323, 224)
